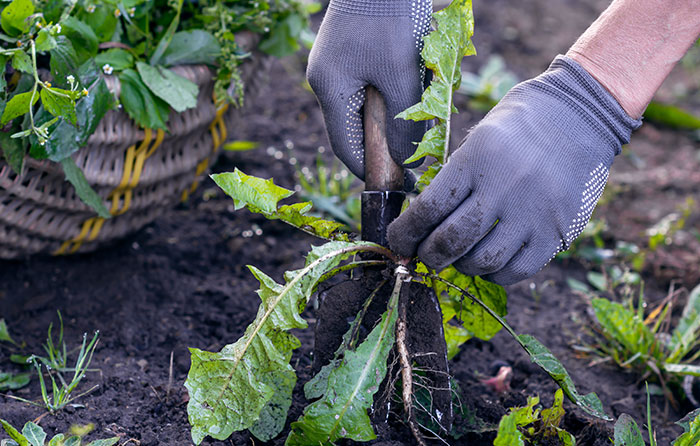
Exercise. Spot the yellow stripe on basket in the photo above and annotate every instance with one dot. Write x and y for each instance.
(134, 161)
(218, 137)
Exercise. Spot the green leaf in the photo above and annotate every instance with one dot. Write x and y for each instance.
(3, 66)
(577, 285)
(458, 308)
(86, 193)
(91, 109)
(682, 369)
(13, 18)
(623, 325)
(102, 21)
(52, 10)
(117, 58)
(14, 433)
(262, 196)
(73, 441)
(282, 40)
(428, 175)
(230, 390)
(350, 387)
(247, 190)
(317, 385)
(18, 106)
(104, 442)
(5, 333)
(177, 91)
(455, 335)
(82, 37)
(443, 51)
(22, 62)
(685, 335)
(34, 434)
(598, 280)
(540, 355)
(671, 116)
(566, 438)
(626, 432)
(63, 62)
(45, 41)
(59, 106)
(164, 42)
(88, 73)
(62, 141)
(508, 432)
(274, 415)
(9, 381)
(691, 429)
(551, 418)
(431, 145)
(192, 47)
(57, 440)
(140, 104)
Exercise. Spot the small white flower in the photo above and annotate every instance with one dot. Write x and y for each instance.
(107, 69)
(131, 11)
(90, 8)
(70, 78)
(57, 28)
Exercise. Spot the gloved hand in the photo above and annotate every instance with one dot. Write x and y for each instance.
(370, 42)
(524, 182)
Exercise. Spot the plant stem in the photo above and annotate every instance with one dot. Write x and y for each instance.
(478, 301)
(34, 88)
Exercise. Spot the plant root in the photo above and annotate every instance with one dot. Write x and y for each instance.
(406, 373)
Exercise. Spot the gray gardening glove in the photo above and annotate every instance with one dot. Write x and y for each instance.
(524, 182)
(369, 42)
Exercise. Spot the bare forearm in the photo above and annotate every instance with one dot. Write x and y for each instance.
(634, 44)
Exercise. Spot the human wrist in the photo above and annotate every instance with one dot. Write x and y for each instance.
(618, 82)
(632, 47)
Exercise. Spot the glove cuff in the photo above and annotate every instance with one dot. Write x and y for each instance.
(597, 104)
(375, 8)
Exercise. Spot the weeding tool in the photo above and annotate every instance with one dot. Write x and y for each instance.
(381, 204)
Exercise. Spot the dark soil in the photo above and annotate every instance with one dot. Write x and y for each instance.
(182, 281)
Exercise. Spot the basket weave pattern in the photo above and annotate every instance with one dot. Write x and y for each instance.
(139, 172)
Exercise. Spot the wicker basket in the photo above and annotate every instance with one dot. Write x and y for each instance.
(137, 171)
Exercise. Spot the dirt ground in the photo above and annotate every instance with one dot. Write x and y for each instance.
(182, 282)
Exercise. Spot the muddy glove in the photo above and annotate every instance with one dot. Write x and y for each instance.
(369, 42)
(524, 182)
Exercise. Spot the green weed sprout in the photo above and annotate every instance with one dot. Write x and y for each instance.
(62, 390)
(533, 423)
(32, 434)
(647, 344)
(56, 352)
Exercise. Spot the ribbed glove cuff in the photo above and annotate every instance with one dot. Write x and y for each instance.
(597, 105)
(384, 8)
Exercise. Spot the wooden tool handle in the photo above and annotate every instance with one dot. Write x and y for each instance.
(381, 172)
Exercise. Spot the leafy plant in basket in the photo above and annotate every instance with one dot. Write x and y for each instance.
(55, 55)
(249, 383)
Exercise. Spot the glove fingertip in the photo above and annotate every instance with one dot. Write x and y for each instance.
(399, 244)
